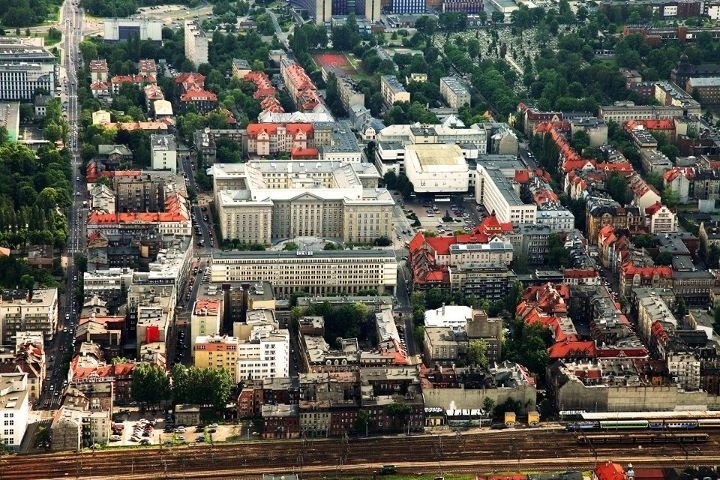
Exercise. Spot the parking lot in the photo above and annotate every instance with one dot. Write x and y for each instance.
(465, 216)
(143, 432)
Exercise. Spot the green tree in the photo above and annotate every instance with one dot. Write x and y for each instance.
(477, 353)
(643, 241)
(150, 384)
(670, 198)
(558, 255)
(617, 186)
(681, 308)
(488, 404)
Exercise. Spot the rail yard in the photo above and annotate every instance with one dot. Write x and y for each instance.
(434, 454)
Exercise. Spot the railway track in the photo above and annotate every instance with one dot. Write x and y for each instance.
(318, 457)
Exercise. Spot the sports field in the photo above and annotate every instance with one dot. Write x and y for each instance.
(337, 63)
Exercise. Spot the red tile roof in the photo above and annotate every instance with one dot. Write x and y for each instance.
(522, 176)
(198, 96)
(583, 349)
(304, 153)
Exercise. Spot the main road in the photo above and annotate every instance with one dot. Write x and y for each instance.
(69, 310)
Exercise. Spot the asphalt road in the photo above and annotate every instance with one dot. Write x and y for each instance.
(68, 312)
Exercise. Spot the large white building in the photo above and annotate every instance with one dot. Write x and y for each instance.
(259, 202)
(264, 354)
(475, 135)
(14, 408)
(117, 29)
(25, 68)
(20, 81)
(498, 195)
(436, 168)
(37, 311)
(196, 43)
(454, 317)
(163, 152)
(316, 273)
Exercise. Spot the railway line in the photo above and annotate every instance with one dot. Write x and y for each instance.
(412, 454)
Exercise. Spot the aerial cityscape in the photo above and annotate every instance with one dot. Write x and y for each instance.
(428, 239)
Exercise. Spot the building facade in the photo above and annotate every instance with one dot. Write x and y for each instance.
(196, 43)
(392, 90)
(14, 408)
(318, 273)
(496, 194)
(163, 152)
(31, 311)
(454, 92)
(259, 202)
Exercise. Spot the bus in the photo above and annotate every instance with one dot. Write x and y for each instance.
(442, 199)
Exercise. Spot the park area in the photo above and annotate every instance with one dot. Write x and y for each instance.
(337, 63)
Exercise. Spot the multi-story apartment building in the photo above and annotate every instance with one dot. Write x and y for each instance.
(318, 273)
(205, 319)
(265, 353)
(301, 88)
(604, 211)
(145, 201)
(163, 152)
(196, 43)
(98, 70)
(347, 89)
(661, 219)
(671, 94)
(496, 194)
(454, 92)
(35, 310)
(240, 68)
(261, 201)
(706, 90)
(216, 351)
(392, 90)
(14, 408)
(147, 67)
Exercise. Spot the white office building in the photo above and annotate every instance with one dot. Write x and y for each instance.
(163, 152)
(20, 81)
(264, 354)
(316, 273)
(260, 202)
(495, 192)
